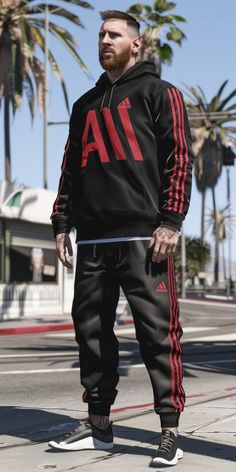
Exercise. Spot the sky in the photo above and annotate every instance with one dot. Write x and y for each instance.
(205, 59)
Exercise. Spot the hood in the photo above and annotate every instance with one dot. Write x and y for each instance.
(141, 68)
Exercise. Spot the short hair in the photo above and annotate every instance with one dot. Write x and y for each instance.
(120, 15)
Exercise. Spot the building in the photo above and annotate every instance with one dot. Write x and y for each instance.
(32, 281)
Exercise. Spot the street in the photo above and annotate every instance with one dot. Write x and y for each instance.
(41, 393)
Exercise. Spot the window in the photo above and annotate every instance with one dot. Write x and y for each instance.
(37, 265)
(15, 200)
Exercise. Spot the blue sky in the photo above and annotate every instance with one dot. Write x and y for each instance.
(206, 58)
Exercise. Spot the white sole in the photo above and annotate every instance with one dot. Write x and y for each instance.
(159, 460)
(86, 443)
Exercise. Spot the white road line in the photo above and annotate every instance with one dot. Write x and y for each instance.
(194, 329)
(122, 331)
(126, 366)
(39, 371)
(49, 354)
(220, 361)
(218, 337)
(56, 354)
(207, 303)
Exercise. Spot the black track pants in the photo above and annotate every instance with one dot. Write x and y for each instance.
(151, 292)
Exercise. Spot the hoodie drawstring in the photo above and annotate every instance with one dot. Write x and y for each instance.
(120, 253)
(103, 98)
(94, 250)
(110, 98)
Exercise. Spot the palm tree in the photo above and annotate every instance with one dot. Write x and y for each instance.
(221, 221)
(21, 34)
(160, 28)
(210, 132)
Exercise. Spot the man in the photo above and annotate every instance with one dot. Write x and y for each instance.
(125, 187)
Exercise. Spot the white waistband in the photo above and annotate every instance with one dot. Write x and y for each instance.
(114, 240)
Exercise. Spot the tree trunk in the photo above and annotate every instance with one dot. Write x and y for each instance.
(223, 257)
(216, 260)
(203, 216)
(147, 52)
(7, 135)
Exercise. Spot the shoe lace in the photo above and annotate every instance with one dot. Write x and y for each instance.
(166, 443)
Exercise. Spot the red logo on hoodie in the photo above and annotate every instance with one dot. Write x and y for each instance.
(99, 145)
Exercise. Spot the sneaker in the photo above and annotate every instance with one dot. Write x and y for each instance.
(85, 436)
(169, 450)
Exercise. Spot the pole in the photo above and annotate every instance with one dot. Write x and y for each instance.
(229, 225)
(183, 263)
(45, 103)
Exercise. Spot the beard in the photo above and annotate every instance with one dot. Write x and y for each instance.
(115, 61)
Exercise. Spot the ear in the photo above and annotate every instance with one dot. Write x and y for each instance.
(136, 45)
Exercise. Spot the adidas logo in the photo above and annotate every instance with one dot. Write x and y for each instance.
(125, 103)
(161, 288)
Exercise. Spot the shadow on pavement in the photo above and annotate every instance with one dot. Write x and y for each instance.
(39, 425)
(191, 445)
(33, 424)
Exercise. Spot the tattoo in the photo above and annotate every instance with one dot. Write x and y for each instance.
(167, 233)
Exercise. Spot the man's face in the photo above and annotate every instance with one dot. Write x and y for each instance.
(115, 44)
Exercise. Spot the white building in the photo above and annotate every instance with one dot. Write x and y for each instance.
(32, 281)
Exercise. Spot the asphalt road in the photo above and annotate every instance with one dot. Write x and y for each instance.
(40, 393)
(42, 370)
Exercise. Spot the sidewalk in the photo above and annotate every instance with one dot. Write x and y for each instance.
(207, 431)
(44, 323)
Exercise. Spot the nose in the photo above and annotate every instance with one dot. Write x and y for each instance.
(106, 39)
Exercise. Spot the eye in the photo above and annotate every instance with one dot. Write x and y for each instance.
(114, 35)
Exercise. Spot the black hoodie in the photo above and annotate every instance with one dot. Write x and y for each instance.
(128, 159)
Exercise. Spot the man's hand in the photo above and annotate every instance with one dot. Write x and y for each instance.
(64, 249)
(163, 241)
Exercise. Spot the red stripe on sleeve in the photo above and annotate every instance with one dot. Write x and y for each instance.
(186, 154)
(173, 178)
(181, 151)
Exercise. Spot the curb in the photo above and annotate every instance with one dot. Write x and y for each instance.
(20, 330)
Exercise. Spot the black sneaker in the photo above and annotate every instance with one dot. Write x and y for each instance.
(85, 436)
(169, 450)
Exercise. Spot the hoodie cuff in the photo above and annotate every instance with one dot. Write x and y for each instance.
(60, 226)
(172, 219)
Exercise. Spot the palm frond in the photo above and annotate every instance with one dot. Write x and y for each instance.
(29, 88)
(175, 34)
(38, 74)
(203, 94)
(63, 39)
(165, 53)
(79, 3)
(41, 42)
(27, 47)
(38, 23)
(219, 93)
(196, 94)
(56, 11)
(226, 100)
(162, 6)
(18, 76)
